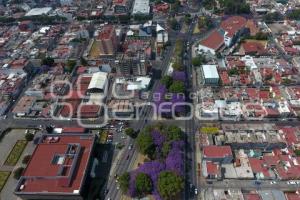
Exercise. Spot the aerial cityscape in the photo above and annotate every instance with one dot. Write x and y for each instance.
(150, 99)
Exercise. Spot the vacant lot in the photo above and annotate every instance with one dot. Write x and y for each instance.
(3, 178)
(16, 153)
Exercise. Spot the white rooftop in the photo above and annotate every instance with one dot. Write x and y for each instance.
(98, 80)
(210, 71)
(141, 7)
(39, 11)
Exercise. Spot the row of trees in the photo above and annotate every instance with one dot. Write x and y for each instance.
(235, 6)
(162, 175)
(70, 64)
(294, 14)
(228, 6)
(169, 184)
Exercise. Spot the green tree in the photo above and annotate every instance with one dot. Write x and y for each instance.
(70, 65)
(174, 133)
(169, 185)
(174, 24)
(187, 19)
(83, 61)
(48, 61)
(197, 61)
(124, 182)
(143, 184)
(145, 144)
(167, 81)
(177, 65)
(26, 159)
(18, 173)
(29, 137)
(294, 14)
(177, 87)
(271, 17)
(233, 72)
(165, 149)
(130, 132)
(297, 152)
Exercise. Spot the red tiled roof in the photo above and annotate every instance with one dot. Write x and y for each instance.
(233, 24)
(106, 33)
(213, 151)
(212, 168)
(263, 94)
(292, 196)
(290, 136)
(42, 165)
(225, 78)
(272, 112)
(252, 197)
(73, 130)
(271, 160)
(253, 47)
(252, 92)
(214, 41)
(257, 166)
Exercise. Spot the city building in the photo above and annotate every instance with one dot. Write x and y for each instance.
(233, 27)
(122, 6)
(141, 7)
(66, 163)
(106, 41)
(221, 154)
(99, 82)
(135, 65)
(212, 44)
(39, 11)
(210, 74)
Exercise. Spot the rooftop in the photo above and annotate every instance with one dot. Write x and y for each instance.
(214, 41)
(213, 151)
(64, 159)
(233, 24)
(210, 71)
(38, 11)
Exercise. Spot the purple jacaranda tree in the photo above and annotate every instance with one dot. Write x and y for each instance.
(153, 169)
(174, 160)
(132, 190)
(179, 76)
(158, 138)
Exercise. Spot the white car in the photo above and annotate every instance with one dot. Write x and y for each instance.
(196, 191)
(291, 182)
(273, 182)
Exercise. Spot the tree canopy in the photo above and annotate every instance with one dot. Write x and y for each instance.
(70, 65)
(197, 61)
(177, 87)
(169, 185)
(235, 6)
(143, 184)
(124, 182)
(294, 14)
(167, 81)
(174, 133)
(130, 132)
(145, 144)
(48, 61)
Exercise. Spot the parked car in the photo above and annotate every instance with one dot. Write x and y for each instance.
(291, 182)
